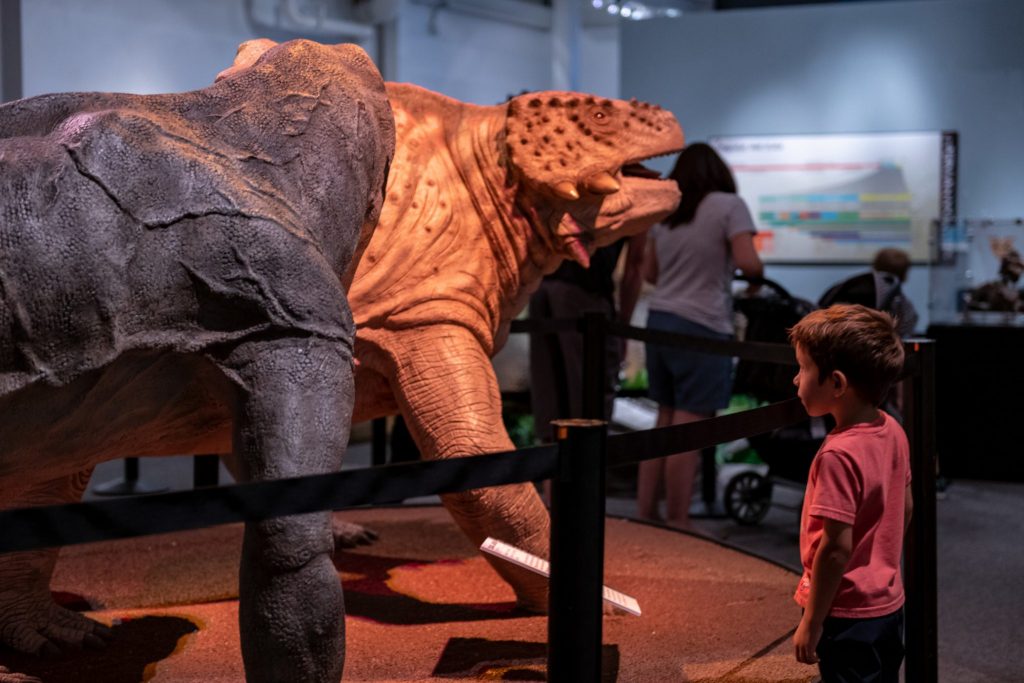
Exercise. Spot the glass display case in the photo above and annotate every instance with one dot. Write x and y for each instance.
(975, 278)
(978, 325)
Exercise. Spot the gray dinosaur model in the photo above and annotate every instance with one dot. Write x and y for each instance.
(173, 276)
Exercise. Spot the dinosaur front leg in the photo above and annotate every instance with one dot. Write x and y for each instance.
(293, 420)
(448, 393)
(30, 621)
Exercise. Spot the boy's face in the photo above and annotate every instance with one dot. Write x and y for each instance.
(816, 397)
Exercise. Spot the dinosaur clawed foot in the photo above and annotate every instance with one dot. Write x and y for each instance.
(349, 535)
(48, 630)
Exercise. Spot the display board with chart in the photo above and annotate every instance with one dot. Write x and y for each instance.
(841, 198)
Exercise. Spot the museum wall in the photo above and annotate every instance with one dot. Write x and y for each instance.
(169, 45)
(122, 45)
(859, 67)
(483, 61)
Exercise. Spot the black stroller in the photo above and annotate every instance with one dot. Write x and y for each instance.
(788, 451)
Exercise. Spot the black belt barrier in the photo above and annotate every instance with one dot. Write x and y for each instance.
(101, 520)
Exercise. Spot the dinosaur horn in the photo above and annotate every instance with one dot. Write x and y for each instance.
(602, 183)
(567, 190)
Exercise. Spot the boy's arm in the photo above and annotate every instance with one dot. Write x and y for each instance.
(908, 511)
(826, 572)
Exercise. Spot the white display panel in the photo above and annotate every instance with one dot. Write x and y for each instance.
(841, 198)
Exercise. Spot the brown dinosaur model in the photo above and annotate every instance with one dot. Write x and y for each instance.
(481, 203)
(172, 273)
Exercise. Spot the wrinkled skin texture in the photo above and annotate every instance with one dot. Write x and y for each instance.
(480, 206)
(173, 274)
(481, 203)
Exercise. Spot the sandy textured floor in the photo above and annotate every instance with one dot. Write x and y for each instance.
(423, 605)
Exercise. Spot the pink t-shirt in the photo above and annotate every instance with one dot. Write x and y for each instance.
(859, 477)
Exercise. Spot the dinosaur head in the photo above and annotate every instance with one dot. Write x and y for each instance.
(577, 159)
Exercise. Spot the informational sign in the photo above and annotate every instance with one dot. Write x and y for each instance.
(541, 566)
(841, 198)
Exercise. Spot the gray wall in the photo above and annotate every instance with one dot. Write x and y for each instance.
(148, 46)
(859, 67)
(483, 61)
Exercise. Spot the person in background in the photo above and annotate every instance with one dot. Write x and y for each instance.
(858, 504)
(691, 259)
(556, 360)
(881, 288)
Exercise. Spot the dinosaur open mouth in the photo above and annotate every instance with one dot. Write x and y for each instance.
(638, 170)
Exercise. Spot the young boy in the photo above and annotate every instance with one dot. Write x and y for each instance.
(857, 505)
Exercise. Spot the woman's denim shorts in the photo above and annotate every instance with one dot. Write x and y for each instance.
(687, 380)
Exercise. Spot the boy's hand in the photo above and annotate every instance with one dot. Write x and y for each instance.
(806, 641)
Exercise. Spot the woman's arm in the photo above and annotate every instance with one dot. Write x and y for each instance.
(744, 255)
(632, 272)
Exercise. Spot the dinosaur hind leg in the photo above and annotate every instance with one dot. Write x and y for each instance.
(30, 621)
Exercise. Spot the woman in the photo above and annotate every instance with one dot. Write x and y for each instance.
(691, 259)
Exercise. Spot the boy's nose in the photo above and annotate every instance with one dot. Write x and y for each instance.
(796, 379)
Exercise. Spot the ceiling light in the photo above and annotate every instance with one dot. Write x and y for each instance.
(637, 11)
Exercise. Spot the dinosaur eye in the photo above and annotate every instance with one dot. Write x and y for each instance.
(600, 116)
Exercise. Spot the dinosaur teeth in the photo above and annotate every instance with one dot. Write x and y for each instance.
(602, 183)
(567, 190)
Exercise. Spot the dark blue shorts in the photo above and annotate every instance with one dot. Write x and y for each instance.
(700, 383)
(861, 650)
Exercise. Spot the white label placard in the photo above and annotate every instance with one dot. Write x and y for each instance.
(543, 567)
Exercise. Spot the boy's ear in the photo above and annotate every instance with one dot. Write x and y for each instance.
(839, 382)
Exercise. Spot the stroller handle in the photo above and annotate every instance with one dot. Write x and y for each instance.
(765, 282)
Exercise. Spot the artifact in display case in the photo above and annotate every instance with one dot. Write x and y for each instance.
(978, 327)
(976, 277)
(1000, 294)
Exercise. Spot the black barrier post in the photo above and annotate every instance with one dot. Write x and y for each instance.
(921, 554)
(709, 479)
(577, 552)
(205, 470)
(595, 335)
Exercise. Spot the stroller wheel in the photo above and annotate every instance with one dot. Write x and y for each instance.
(747, 497)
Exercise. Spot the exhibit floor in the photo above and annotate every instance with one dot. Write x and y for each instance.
(980, 562)
(423, 605)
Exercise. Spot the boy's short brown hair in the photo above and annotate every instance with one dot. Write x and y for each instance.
(860, 342)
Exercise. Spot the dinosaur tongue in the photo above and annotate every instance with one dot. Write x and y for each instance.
(579, 252)
(571, 231)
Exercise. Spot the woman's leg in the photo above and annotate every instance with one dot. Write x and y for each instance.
(651, 475)
(680, 473)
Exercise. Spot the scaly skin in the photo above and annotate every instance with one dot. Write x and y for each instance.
(172, 280)
(481, 203)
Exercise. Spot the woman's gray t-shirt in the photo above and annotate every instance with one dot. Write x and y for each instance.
(695, 266)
